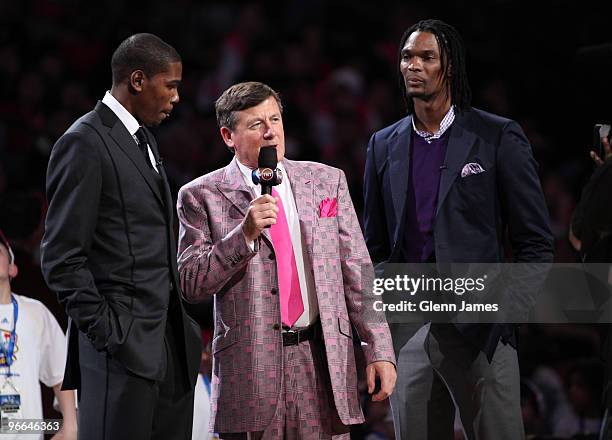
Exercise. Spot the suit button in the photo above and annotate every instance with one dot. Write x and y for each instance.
(276, 327)
(272, 256)
(274, 291)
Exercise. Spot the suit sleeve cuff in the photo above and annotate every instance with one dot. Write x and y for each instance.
(235, 249)
(98, 331)
(374, 356)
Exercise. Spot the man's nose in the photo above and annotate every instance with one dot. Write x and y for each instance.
(175, 98)
(414, 64)
(269, 133)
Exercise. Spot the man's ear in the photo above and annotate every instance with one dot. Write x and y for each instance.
(13, 270)
(137, 79)
(227, 136)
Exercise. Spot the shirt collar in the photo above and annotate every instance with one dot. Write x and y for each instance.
(446, 122)
(246, 174)
(124, 116)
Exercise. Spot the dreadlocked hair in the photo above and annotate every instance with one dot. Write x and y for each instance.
(452, 56)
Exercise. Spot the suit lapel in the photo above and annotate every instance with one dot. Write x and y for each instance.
(167, 196)
(399, 166)
(303, 189)
(237, 192)
(169, 205)
(460, 143)
(126, 142)
(233, 187)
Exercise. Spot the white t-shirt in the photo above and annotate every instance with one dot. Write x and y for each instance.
(39, 356)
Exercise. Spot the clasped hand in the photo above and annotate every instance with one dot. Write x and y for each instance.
(262, 212)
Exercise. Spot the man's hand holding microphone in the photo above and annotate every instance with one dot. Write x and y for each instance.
(263, 210)
(260, 215)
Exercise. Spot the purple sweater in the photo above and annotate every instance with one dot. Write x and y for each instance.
(422, 197)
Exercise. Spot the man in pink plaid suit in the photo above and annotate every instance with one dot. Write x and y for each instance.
(282, 368)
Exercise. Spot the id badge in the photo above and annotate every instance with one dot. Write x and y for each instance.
(10, 402)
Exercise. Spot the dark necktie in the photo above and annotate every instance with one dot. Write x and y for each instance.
(143, 145)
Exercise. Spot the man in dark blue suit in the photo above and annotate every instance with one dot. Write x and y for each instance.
(444, 185)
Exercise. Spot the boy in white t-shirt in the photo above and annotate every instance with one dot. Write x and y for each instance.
(32, 350)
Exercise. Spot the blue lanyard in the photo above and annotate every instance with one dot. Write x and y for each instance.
(8, 352)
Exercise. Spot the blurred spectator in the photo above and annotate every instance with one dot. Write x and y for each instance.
(533, 408)
(583, 387)
(201, 402)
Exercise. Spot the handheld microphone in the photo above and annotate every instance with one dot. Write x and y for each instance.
(266, 174)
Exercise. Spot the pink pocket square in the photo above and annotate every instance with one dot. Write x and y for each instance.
(328, 207)
(469, 169)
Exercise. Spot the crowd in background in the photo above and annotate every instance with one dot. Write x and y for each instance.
(335, 66)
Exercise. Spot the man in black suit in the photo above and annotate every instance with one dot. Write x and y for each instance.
(443, 185)
(110, 254)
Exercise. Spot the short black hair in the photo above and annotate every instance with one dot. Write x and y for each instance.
(240, 97)
(452, 56)
(146, 52)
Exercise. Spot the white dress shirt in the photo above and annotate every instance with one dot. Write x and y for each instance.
(128, 120)
(305, 275)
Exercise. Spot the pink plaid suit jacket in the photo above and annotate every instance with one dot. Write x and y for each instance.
(214, 259)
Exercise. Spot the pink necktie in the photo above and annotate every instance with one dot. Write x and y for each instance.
(291, 303)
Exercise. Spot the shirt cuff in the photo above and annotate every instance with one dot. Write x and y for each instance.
(249, 243)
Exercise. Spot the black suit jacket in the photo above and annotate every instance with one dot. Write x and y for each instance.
(109, 249)
(472, 213)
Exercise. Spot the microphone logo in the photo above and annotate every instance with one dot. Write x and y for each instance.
(267, 174)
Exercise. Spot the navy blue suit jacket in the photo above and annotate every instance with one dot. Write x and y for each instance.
(473, 213)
